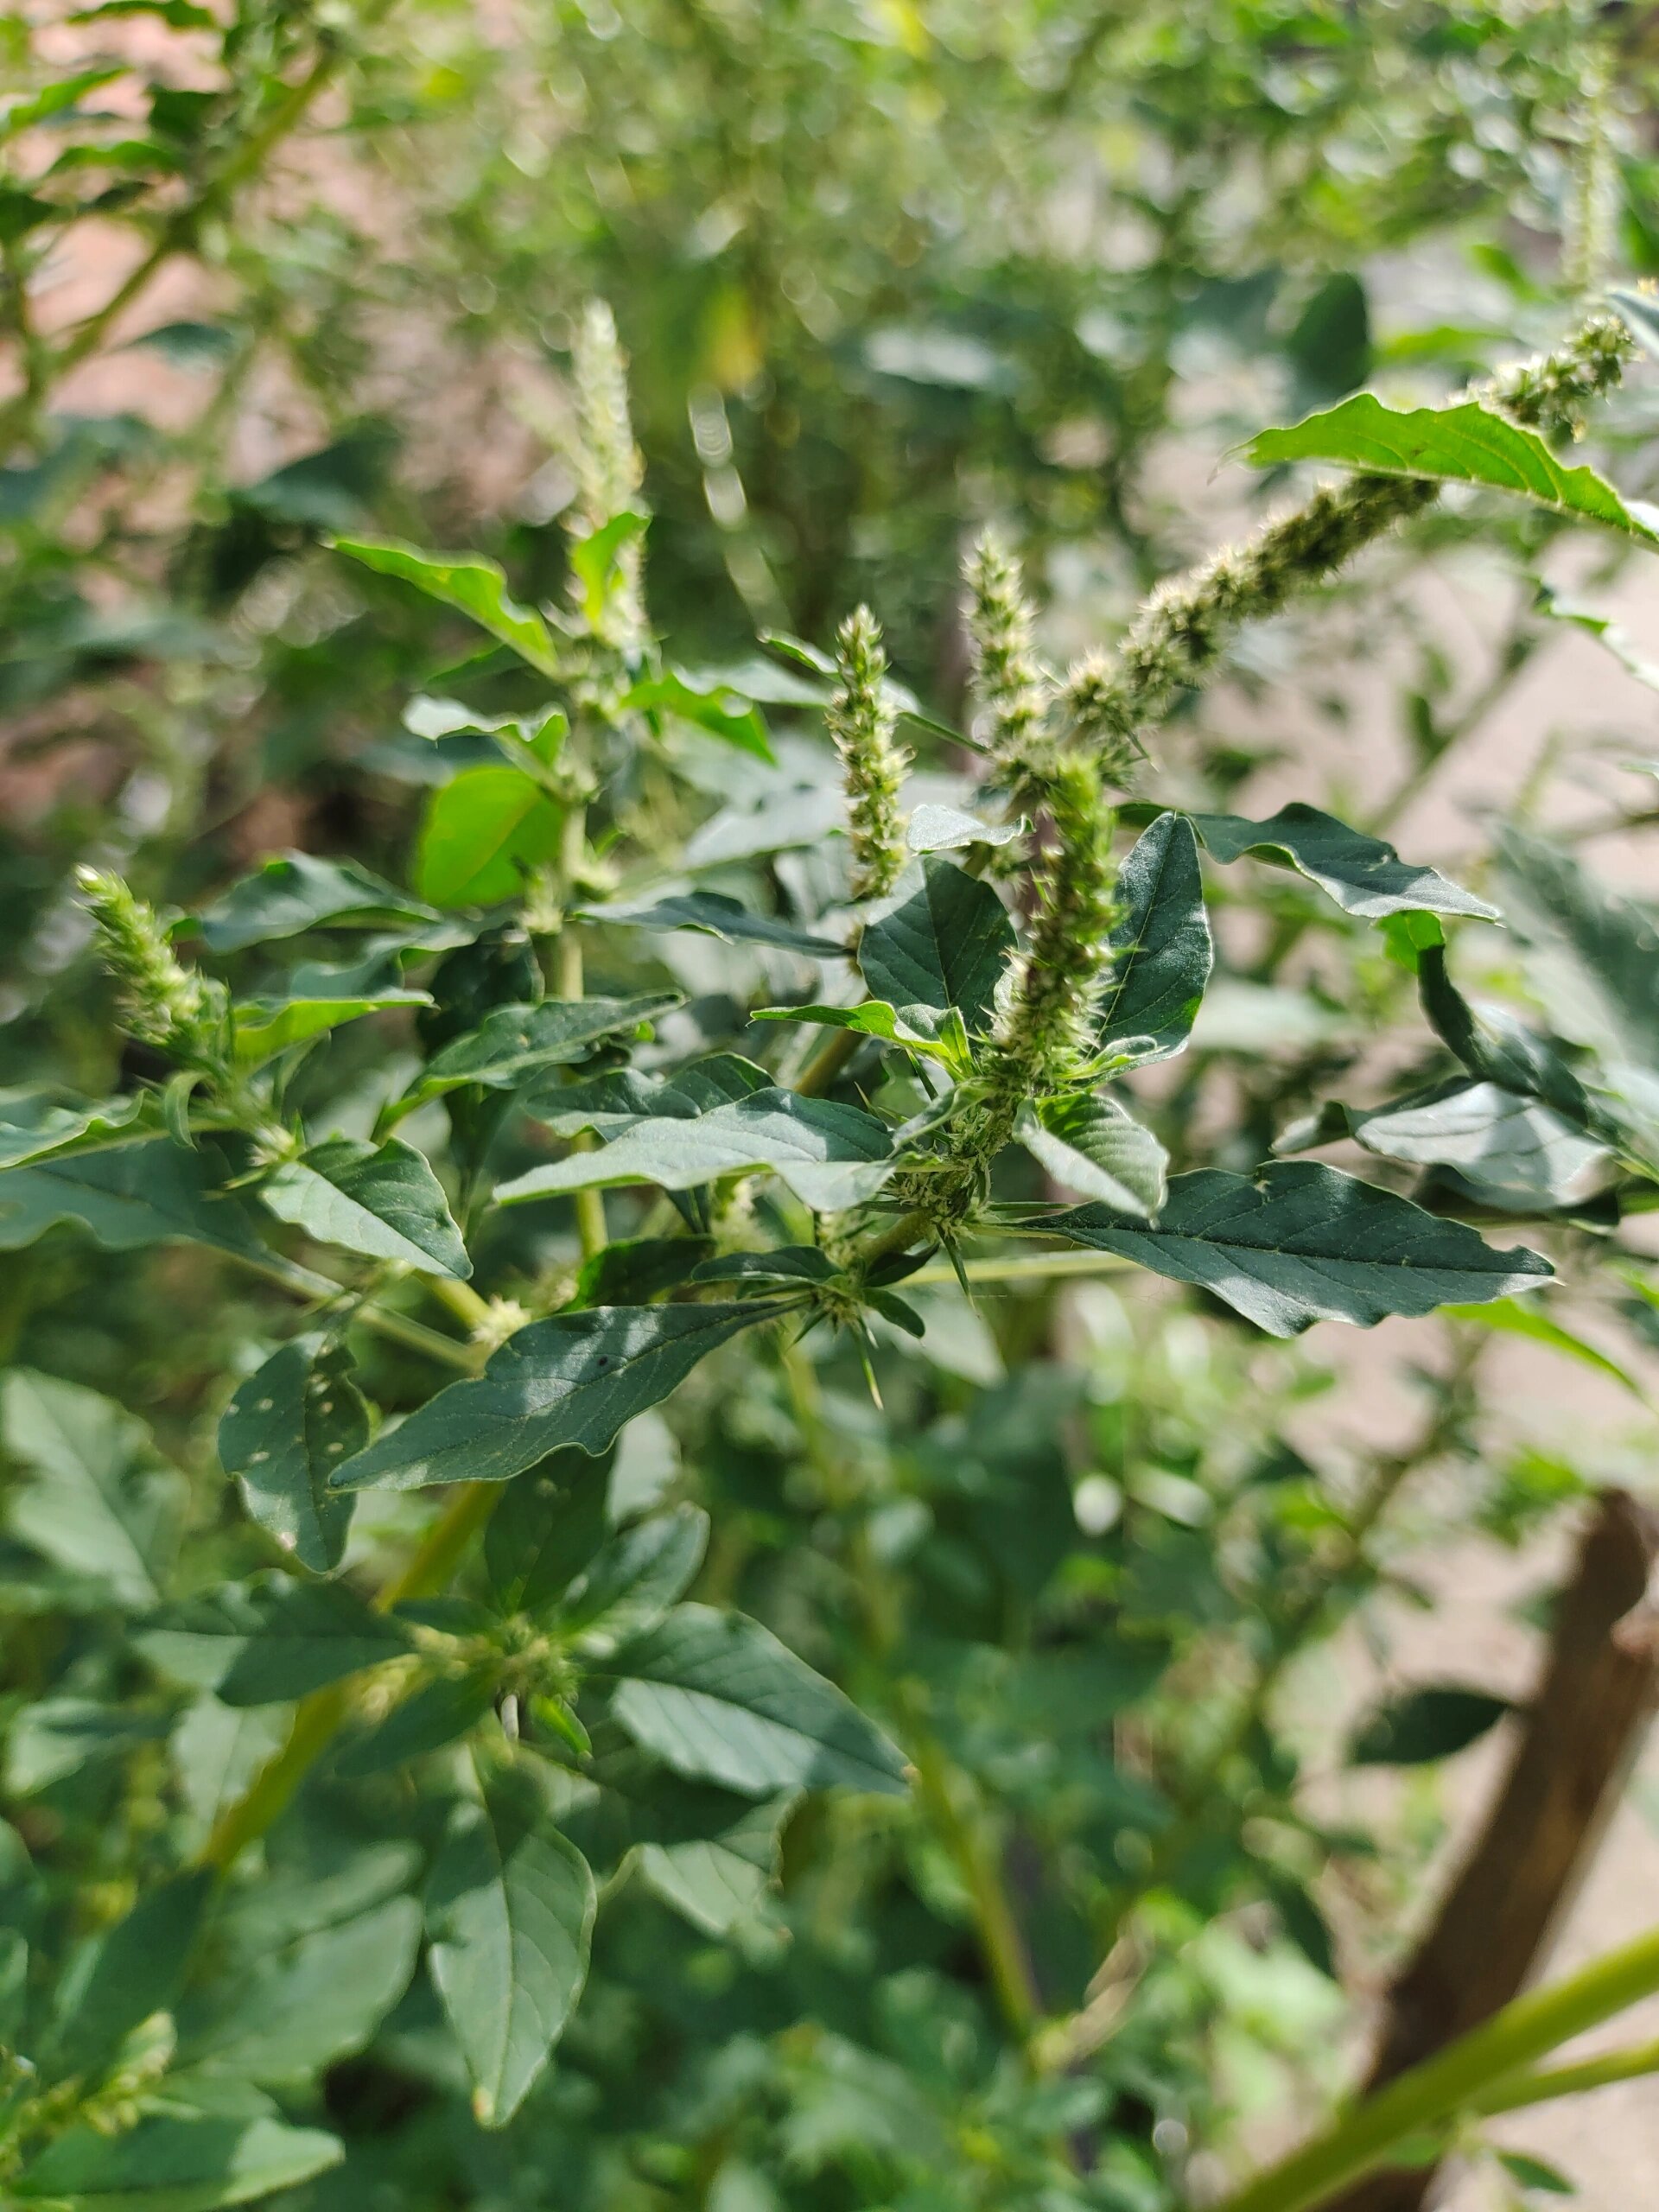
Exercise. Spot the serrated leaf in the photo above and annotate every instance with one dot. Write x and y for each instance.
(1363, 874)
(484, 831)
(121, 1977)
(167, 2164)
(382, 1200)
(573, 1379)
(509, 1912)
(948, 829)
(831, 1155)
(1422, 1725)
(716, 916)
(716, 1697)
(1462, 444)
(474, 586)
(268, 1639)
(284, 2013)
(154, 1192)
(1092, 1147)
(1162, 952)
(1301, 1243)
(946, 945)
(295, 891)
(514, 1042)
(634, 1579)
(290, 1424)
(98, 1506)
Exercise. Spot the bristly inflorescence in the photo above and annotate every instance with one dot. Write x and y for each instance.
(1010, 687)
(862, 722)
(163, 1003)
(609, 465)
(1044, 1034)
(1551, 391)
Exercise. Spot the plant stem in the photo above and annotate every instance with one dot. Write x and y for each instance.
(568, 982)
(1024, 1267)
(1522, 2090)
(1455, 2079)
(1000, 1940)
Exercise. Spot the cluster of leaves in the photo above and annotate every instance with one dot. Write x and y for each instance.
(811, 1702)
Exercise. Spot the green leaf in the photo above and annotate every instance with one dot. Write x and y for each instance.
(1508, 1317)
(434, 1714)
(546, 1528)
(1162, 953)
(514, 1042)
(509, 1912)
(1301, 1243)
(716, 1697)
(24, 112)
(1423, 1725)
(485, 831)
(710, 1853)
(35, 1124)
(165, 2164)
(1092, 1147)
(948, 829)
(708, 702)
(631, 1271)
(1462, 444)
(831, 1155)
(916, 1029)
(320, 996)
(474, 586)
(296, 892)
(121, 1977)
(281, 1436)
(716, 916)
(268, 1639)
(946, 945)
(572, 1379)
(1506, 1150)
(382, 1200)
(97, 1505)
(60, 1736)
(155, 1191)
(283, 2012)
(1527, 2172)
(596, 561)
(1592, 957)
(634, 1579)
(1364, 875)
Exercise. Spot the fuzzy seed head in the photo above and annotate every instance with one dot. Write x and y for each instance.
(609, 468)
(873, 763)
(163, 1003)
(1010, 689)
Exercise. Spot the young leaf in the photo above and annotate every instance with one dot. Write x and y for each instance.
(296, 892)
(320, 996)
(381, 1200)
(282, 1434)
(719, 1699)
(514, 1042)
(35, 1124)
(715, 916)
(831, 1155)
(1422, 1725)
(268, 1639)
(572, 1379)
(1364, 875)
(1527, 2172)
(95, 1507)
(946, 945)
(474, 586)
(708, 702)
(1092, 1147)
(509, 1912)
(155, 1191)
(917, 1028)
(1462, 444)
(1301, 1243)
(1162, 953)
(168, 2164)
(634, 1581)
(485, 830)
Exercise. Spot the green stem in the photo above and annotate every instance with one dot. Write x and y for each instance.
(568, 982)
(1000, 1941)
(1024, 1267)
(1522, 2090)
(1455, 2079)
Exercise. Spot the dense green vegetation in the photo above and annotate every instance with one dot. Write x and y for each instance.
(683, 1074)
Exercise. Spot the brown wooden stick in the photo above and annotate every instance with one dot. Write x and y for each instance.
(1580, 1734)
